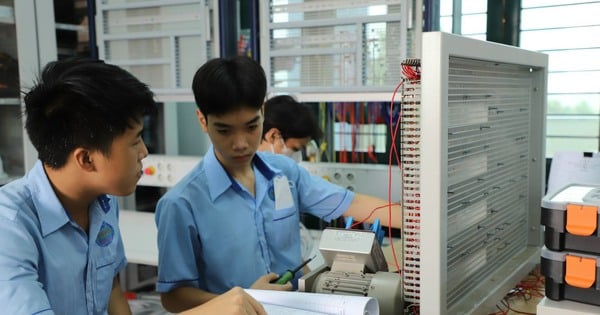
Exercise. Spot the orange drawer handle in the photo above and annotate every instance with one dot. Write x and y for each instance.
(581, 220)
(581, 271)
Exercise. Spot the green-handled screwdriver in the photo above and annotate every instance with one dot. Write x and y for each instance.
(289, 275)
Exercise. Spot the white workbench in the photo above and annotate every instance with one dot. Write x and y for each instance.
(138, 231)
(565, 307)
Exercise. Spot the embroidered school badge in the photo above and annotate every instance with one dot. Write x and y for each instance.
(105, 235)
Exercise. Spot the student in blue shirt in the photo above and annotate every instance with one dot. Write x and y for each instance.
(61, 249)
(234, 219)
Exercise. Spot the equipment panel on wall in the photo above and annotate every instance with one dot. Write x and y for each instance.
(334, 46)
(370, 179)
(160, 42)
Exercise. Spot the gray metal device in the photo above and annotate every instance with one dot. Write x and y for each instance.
(352, 250)
(355, 265)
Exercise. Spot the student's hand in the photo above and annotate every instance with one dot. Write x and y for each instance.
(233, 302)
(264, 283)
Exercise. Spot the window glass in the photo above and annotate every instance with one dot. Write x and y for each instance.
(567, 31)
(561, 144)
(573, 82)
(474, 24)
(561, 126)
(544, 3)
(446, 24)
(473, 6)
(574, 59)
(445, 8)
(560, 38)
(574, 103)
(560, 16)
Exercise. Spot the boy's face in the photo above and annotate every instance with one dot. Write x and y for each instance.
(293, 144)
(119, 172)
(235, 136)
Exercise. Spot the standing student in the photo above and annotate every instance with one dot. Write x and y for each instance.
(233, 220)
(61, 248)
(288, 127)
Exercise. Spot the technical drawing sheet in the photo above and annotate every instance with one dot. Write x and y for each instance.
(304, 303)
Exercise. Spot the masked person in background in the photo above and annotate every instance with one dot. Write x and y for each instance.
(288, 127)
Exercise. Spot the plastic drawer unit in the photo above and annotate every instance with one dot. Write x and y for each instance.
(571, 276)
(570, 218)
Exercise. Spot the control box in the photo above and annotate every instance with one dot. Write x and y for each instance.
(166, 170)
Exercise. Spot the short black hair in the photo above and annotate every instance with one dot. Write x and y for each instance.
(82, 102)
(291, 118)
(225, 84)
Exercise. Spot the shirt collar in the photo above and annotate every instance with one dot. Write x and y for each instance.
(220, 180)
(51, 212)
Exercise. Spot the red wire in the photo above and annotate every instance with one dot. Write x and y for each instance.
(371, 120)
(342, 121)
(357, 223)
(410, 74)
(361, 122)
(413, 309)
(389, 205)
(393, 151)
(527, 288)
(353, 142)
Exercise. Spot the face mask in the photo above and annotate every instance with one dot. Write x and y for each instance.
(294, 155)
(284, 149)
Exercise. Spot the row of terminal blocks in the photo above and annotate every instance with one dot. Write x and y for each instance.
(371, 179)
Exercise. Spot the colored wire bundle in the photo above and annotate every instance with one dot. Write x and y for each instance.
(530, 287)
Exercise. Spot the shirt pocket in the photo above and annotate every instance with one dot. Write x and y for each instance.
(285, 227)
(285, 213)
(104, 277)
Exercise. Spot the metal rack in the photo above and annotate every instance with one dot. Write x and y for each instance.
(161, 42)
(335, 50)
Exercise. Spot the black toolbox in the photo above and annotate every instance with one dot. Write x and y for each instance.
(570, 219)
(571, 276)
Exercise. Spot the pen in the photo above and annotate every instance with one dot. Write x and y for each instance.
(289, 274)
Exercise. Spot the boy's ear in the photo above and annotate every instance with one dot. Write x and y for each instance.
(272, 135)
(202, 120)
(84, 159)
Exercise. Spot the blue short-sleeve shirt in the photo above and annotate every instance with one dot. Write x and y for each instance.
(48, 264)
(214, 235)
